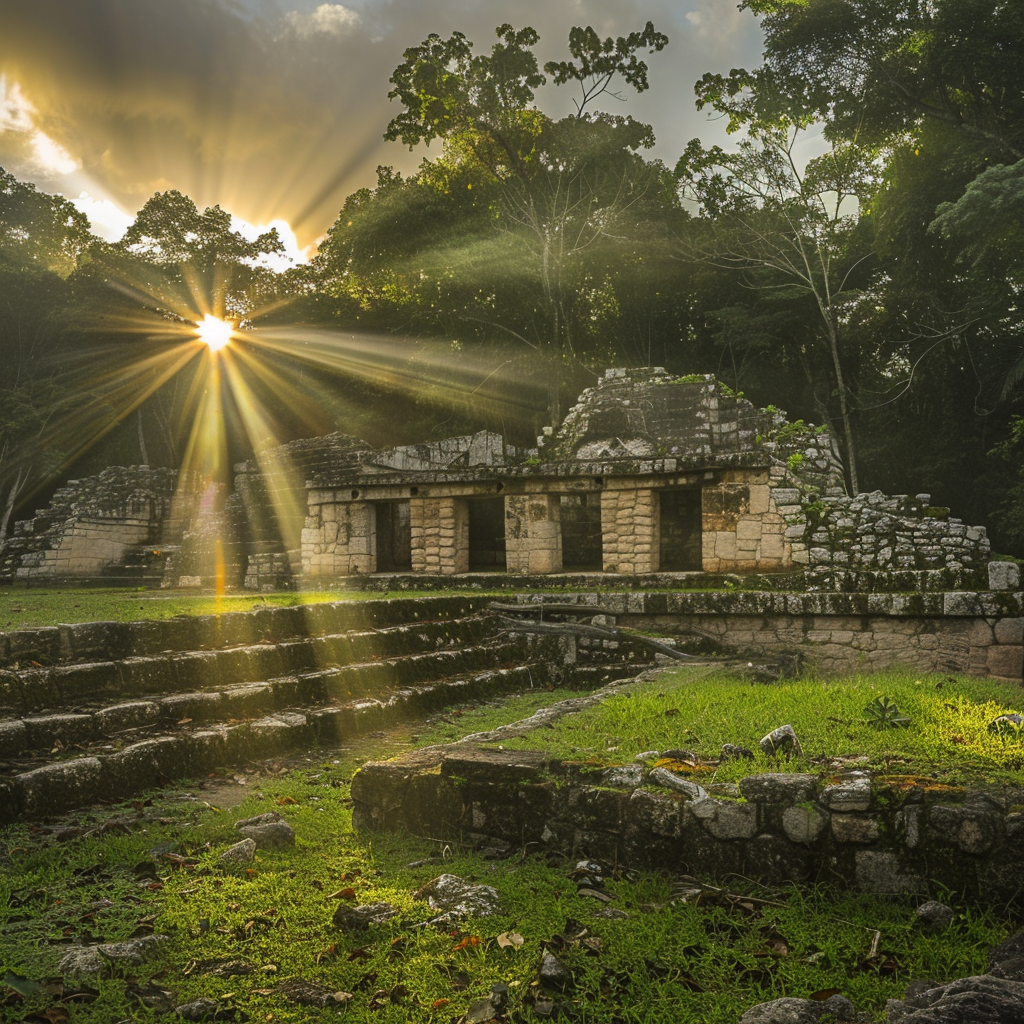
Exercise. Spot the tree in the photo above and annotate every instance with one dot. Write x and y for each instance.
(40, 231)
(788, 229)
(561, 188)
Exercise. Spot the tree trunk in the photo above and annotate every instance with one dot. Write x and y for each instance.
(844, 410)
(143, 455)
(12, 498)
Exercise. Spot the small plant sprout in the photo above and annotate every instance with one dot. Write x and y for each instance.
(883, 713)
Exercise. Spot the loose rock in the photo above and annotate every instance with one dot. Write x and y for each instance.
(459, 898)
(271, 835)
(982, 999)
(627, 776)
(1010, 724)
(93, 959)
(790, 1010)
(358, 919)
(199, 1009)
(309, 993)
(732, 752)
(259, 819)
(552, 971)
(240, 853)
(781, 741)
(934, 916)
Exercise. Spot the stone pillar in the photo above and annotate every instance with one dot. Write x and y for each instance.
(439, 528)
(339, 538)
(533, 533)
(630, 530)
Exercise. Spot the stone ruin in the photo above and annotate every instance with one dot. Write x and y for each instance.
(648, 473)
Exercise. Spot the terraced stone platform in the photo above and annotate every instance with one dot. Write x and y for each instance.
(99, 711)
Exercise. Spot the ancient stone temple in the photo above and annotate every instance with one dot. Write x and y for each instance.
(648, 473)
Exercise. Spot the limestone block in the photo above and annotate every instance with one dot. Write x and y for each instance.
(758, 498)
(748, 529)
(881, 872)
(1009, 631)
(804, 823)
(1006, 661)
(1003, 576)
(854, 828)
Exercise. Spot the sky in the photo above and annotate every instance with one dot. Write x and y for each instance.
(276, 109)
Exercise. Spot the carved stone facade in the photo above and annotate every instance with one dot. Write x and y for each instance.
(647, 473)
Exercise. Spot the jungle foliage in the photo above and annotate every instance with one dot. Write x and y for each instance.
(875, 288)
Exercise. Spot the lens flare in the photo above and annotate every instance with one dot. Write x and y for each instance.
(214, 332)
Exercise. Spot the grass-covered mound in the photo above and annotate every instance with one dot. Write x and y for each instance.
(154, 867)
(946, 734)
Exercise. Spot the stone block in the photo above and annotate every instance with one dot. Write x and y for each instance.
(854, 795)
(855, 828)
(1009, 631)
(1006, 661)
(1003, 576)
(804, 823)
(881, 872)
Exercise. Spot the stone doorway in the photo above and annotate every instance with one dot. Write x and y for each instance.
(486, 534)
(394, 536)
(581, 532)
(679, 545)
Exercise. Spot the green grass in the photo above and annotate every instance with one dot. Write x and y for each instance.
(708, 961)
(20, 609)
(699, 710)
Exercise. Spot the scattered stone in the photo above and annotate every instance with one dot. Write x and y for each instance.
(593, 894)
(199, 1009)
(627, 776)
(1003, 576)
(790, 1010)
(259, 819)
(1007, 959)
(272, 835)
(222, 968)
(458, 898)
(240, 853)
(552, 971)
(309, 993)
(781, 741)
(934, 916)
(489, 1007)
(1010, 724)
(94, 959)
(663, 777)
(612, 914)
(981, 999)
(358, 919)
(732, 752)
(647, 755)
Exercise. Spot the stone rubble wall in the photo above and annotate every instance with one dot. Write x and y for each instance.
(893, 835)
(440, 535)
(339, 539)
(91, 523)
(629, 530)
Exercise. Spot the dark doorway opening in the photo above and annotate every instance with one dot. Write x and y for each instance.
(394, 536)
(486, 534)
(581, 532)
(680, 517)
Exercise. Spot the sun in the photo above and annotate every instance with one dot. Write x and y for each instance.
(216, 333)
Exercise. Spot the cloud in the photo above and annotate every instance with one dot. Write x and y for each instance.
(106, 218)
(329, 19)
(275, 109)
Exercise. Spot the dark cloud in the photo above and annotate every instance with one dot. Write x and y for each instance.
(276, 108)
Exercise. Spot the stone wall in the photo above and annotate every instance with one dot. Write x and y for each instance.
(880, 835)
(440, 535)
(90, 524)
(339, 539)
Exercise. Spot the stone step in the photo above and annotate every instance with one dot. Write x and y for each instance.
(36, 689)
(102, 641)
(105, 774)
(100, 723)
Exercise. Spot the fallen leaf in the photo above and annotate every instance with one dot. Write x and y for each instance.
(283, 801)
(343, 894)
(467, 942)
(824, 993)
(439, 1004)
(510, 939)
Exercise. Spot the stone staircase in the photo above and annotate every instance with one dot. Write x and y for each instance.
(99, 711)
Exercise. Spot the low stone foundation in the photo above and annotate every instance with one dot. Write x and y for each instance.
(886, 835)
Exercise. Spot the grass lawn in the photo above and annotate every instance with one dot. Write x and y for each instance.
(154, 866)
(699, 709)
(23, 608)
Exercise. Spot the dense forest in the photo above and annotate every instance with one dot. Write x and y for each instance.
(875, 286)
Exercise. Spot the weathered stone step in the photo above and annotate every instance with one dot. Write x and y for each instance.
(94, 776)
(103, 641)
(61, 686)
(102, 722)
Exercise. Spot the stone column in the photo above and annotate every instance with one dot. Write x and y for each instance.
(339, 538)
(439, 528)
(630, 530)
(533, 533)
